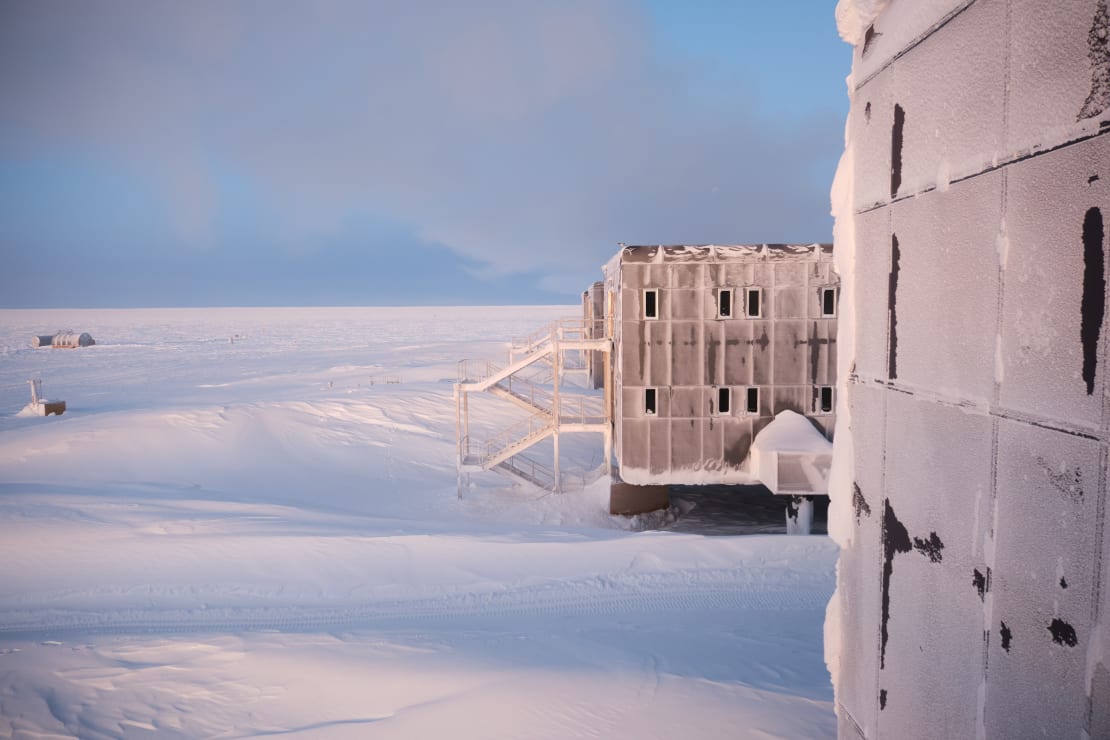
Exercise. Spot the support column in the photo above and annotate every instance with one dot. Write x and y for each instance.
(459, 455)
(556, 407)
(799, 515)
(466, 424)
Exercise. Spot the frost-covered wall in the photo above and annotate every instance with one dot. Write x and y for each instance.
(679, 345)
(969, 485)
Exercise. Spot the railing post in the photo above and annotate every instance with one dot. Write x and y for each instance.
(458, 442)
(557, 408)
(466, 421)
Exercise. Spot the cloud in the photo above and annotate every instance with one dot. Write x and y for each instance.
(526, 137)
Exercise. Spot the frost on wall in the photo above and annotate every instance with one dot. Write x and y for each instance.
(1098, 41)
(969, 482)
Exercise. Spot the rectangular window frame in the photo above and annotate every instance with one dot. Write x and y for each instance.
(751, 400)
(759, 305)
(726, 306)
(651, 402)
(824, 393)
(827, 294)
(722, 393)
(651, 304)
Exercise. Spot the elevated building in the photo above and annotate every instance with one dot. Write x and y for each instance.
(710, 344)
(696, 349)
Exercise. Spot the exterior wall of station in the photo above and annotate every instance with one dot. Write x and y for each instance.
(974, 579)
(687, 353)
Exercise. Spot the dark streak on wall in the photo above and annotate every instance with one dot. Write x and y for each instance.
(896, 150)
(895, 539)
(1068, 481)
(930, 548)
(1063, 633)
(882, 699)
(982, 583)
(1007, 636)
(869, 37)
(1093, 307)
(641, 347)
(711, 345)
(814, 354)
(892, 307)
(859, 503)
(736, 452)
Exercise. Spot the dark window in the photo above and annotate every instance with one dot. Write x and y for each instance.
(724, 400)
(724, 303)
(753, 401)
(828, 301)
(826, 399)
(649, 400)
(651, 304)
(754, 302)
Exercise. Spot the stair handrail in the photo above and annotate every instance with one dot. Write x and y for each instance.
(535, 471)
(577, 407)
(533, 426)
(535, 392)
(487, 368)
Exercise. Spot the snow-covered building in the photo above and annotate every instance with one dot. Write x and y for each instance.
(969, 483)
(698, 349)
(710, 343)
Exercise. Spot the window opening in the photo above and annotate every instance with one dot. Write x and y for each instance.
(754, 302)
(724, 400)
(828, 301)
(825, 399)
(724, 303)
(649, 400)
(752, 406)
(651, 304)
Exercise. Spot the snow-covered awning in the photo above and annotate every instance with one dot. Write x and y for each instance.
(791, 456)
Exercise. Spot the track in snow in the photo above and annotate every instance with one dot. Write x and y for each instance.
(491, 606)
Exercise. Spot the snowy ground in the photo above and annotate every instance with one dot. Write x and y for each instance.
(262, 537)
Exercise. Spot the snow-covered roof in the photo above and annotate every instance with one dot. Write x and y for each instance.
(791, 432)
(790, 456)
(718, 252)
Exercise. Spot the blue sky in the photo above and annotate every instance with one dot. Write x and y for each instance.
(356, 152)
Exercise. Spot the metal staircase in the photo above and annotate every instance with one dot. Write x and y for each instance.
(532, 380)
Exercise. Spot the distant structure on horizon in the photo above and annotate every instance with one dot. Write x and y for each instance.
(63, 340)
(698, 349)
(970, 494)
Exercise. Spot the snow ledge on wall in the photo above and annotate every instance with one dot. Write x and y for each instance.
(853, 17)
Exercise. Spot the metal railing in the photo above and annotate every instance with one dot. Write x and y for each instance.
(536, 365)
(580, 409)
(531, 393)
(473, 371)
(526, 467)
(568, 328)
(525, 431)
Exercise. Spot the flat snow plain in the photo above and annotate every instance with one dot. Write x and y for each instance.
(262, 537)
